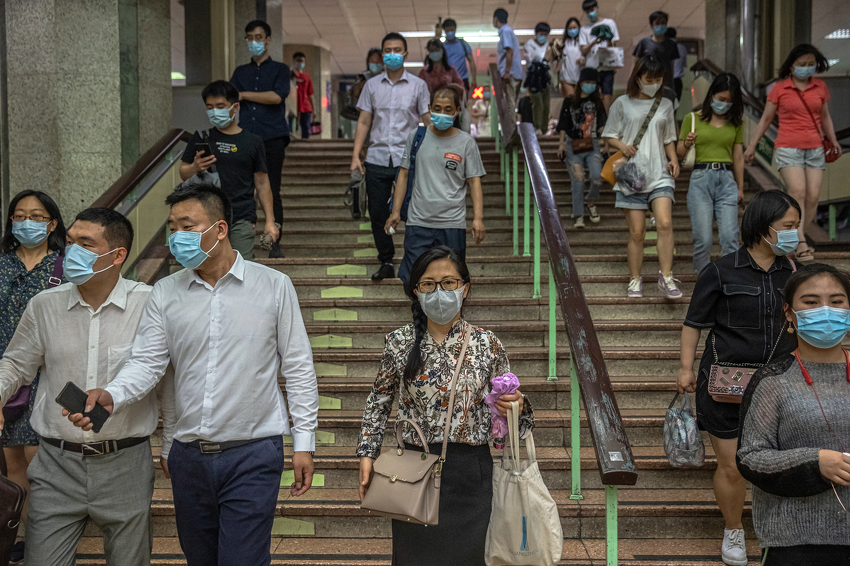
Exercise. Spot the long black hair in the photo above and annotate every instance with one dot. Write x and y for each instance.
(725, 81)
(420, 321)
(55, 240)
(766, 208)
(437, 43)
(567, 26)
(787, 68)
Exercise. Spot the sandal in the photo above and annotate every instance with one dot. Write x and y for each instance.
(806, 255)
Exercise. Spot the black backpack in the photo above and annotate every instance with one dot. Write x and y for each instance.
(537, 77)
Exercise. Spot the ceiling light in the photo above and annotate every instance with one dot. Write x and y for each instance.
(833, 62)
(417, 34)
(839, 34)
(414, 64)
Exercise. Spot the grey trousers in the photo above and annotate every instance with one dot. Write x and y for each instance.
(67, 490)
(242, 235)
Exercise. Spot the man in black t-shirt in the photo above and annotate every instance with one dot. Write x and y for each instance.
(240, 160)
(662, 47)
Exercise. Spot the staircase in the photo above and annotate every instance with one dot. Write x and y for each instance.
(668, 518)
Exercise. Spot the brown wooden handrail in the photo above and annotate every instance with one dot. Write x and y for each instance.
(120, 189)
(507, 117)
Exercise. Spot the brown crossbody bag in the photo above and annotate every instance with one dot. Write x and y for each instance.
(406, 483)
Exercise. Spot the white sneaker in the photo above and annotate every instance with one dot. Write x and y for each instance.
(579, 222)
(635, 290)
(734, 549)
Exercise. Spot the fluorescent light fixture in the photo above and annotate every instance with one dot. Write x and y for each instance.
(531, 32)
(177, 76)
(833, 62)
(843, 33)
(417, 33)
(478, 37)
(414, 64)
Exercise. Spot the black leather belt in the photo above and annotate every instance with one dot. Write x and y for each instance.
(210, 447)
(714, 166)
(96, 448)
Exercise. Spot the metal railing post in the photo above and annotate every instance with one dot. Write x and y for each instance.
(526, 214)
(832, 229)
(536, 292)
(575, 432)
(611, 535)
(553, 329)
(515, 171)
(507, 161)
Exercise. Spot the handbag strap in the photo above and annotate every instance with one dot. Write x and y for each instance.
(55, 278)
(770, 357)
(693, 122)
(649, 116)
(448, 426)
(809, 110)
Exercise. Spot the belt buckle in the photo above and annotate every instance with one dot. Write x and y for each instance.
(55, 281)
(716, 166)
(208, 447)
(95, 448)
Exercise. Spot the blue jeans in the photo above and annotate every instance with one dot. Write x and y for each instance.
(713, 193)
(225, 503)
(575, 164)
(418, 240)
(305, 122)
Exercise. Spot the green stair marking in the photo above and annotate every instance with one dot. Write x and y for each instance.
(367, 239)
(322, 437)
(366, 226)
(330, 341)
(288, 478)
(330, 403)
(330, 370)
(649, 223)
(651, 250)
(366, 252)
(342, 293)
(287, 526)
(347, 270)
(651, 236)
(335, 315)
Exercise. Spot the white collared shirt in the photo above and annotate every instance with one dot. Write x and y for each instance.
(228, 344)
(71, 341)
(396, 109)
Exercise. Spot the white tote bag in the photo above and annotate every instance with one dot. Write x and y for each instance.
(525, 528)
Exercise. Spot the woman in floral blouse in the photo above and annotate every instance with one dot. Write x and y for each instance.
(417, 366)
(33, 243)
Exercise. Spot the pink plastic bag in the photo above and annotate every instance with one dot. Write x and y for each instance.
(506, 384)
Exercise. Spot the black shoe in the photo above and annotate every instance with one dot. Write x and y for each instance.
(275, 252)
(386, 271)
(355, 214)
(17, 556)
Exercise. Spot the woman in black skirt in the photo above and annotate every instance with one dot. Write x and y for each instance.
(417, 366)
(739, 299)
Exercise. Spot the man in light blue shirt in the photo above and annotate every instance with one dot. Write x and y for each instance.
(510, 59)
(460, 54)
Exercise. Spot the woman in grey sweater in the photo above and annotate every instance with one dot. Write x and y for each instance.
(795, 431)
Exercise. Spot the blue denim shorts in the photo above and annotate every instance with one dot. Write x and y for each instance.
(791, 157)
(606, 82)
(640, 201)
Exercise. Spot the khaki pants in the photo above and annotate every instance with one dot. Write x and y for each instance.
(242, 235)
(540, 109)
(511, 92)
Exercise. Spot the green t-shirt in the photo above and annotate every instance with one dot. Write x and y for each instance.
(714, 145)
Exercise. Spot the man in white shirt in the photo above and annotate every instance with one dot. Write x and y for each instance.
(536, 49)
(82, 332)
(229, 327)
(590, 45)
(509, 61)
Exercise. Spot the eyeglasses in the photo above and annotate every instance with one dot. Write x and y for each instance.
(446, 285)
(33, 217)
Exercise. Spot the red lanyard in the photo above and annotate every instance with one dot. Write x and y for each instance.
(808, 379)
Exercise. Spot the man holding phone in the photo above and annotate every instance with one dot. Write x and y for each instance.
(82, 332)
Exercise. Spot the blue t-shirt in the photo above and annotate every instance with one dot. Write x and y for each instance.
(507, 38)
(265, 120)
(457, 51)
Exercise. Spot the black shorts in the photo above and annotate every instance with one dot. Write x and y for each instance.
(718, 419)
(606, 81)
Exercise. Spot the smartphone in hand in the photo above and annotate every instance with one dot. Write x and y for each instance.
(204, 147)
(73, 400)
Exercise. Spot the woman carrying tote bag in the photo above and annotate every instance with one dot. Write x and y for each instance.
(418, 365)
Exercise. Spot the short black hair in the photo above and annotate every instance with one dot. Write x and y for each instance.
(449, 23)
(722, 82)
(766, 208)
(298, 54)
(542, 27)
(221, 88)
(117, 230)
(658, 15)
(588, 5)
(373, 51)
(821, 63)
(501, 15)
(806, 272)
(55, 240)
(215, 201)
(394, 36)
(254, 24)
(670, 33)
(649, 65)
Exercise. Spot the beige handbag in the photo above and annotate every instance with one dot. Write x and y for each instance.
(690, 158)
(406, 483)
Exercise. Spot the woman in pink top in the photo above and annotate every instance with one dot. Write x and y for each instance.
(801, 100)
(437, 73)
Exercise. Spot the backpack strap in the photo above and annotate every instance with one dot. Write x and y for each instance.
(55, 278)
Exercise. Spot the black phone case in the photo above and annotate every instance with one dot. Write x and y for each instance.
(73, 399)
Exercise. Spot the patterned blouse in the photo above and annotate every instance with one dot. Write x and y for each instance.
(17, 287)
(425, 399)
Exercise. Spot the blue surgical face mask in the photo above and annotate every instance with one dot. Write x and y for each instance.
(592, 16)
(256, 48)
(220, 117)
(300, 65)
(572, 32)
(823, 327)
(186, 247)
(442, 121)
(435, 55)
(375, 68)
(393, 61)
(720, 107)
(659, 30)
(442, 306)
(30, 233)
(450, 35)
(804, 72)
(541, 39)
(79, 263)
(786, 241)
(588, 88)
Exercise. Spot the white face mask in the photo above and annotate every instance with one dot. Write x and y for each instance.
(649, 90)
(442, 306)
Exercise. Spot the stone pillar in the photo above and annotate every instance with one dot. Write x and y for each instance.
(319, 68)
(83, 78)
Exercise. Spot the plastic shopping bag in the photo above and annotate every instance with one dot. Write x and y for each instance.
(682, 442)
